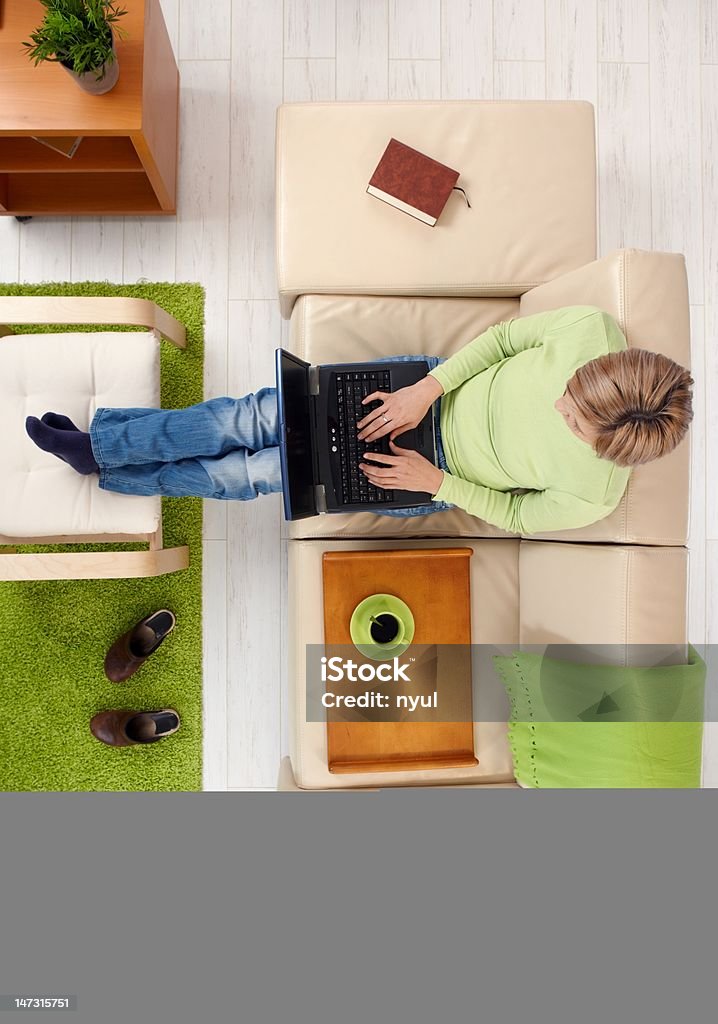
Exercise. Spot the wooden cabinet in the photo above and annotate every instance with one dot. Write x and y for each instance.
(127, 160)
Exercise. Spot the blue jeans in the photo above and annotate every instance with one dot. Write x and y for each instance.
(225, 448)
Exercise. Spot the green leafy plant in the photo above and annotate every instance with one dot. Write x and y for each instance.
(78, 34)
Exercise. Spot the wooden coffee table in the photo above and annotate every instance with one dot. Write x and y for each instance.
(434, 583)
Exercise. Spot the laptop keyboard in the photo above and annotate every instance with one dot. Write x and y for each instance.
(352, 387)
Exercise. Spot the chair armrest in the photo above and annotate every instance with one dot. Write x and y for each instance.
(82, 309)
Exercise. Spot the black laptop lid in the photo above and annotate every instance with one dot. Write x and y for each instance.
(295, 436)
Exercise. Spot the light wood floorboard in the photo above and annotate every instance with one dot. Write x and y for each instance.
(467, 50)
(623, 30)
(519, 80)
(254, 637)
(97, 244)
(519, 30)
(414, 80)
(571, 50)
(309, 29)
(624, 157)
(415, 29)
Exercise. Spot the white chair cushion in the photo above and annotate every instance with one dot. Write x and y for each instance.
(74, 374)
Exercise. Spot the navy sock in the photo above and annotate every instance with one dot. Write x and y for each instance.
(72, 446)
(57, 420)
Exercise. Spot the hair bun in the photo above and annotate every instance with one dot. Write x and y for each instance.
(619, 392)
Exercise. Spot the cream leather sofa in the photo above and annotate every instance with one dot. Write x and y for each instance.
(358, 279)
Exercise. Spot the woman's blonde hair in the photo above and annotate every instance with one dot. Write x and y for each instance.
(638, 401)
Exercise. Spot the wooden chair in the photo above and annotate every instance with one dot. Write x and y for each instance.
(18, 366)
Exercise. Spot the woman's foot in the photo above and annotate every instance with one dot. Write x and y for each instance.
(57, 420)
(71, 445)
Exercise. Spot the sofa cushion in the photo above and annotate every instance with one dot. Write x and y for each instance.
(346, 328)
(647, 294)
(74, 374)
(494, 620)
(528, 168)
(452, 523)
(624, 599)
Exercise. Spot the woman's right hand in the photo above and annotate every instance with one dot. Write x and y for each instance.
(400, 411)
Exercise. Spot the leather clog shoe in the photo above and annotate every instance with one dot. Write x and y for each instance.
(135, 646)
(127, 728)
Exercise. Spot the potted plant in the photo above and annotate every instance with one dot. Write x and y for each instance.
(80, 35)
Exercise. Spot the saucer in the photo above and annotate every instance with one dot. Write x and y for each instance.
(359, 626)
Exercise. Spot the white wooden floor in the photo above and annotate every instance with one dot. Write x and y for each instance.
(650, 67)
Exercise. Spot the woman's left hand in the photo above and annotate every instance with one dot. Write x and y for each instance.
(405, 470)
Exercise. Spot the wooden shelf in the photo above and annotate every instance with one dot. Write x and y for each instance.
(127, 160)
(99, 193)
(93, 154)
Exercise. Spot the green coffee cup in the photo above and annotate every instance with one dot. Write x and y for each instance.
(382, 627)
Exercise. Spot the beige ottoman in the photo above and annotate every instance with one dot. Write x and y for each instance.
(528, 167)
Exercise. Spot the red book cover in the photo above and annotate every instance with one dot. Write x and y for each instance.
(412, 180)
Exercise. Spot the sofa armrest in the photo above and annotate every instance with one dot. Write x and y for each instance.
(647, 294)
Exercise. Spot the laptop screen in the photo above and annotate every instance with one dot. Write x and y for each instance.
(295, 436)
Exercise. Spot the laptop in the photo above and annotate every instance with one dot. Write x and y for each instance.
(319, 407)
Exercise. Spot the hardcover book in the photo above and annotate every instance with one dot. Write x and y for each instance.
(412, 182)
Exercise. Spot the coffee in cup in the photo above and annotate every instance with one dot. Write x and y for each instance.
(384, 628)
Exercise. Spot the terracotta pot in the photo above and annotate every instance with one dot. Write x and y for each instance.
(88, 80)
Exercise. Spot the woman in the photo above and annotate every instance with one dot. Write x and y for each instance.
(553, 405)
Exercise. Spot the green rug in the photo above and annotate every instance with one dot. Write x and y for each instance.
(54, 635)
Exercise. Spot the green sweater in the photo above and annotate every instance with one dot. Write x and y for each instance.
(501, 432)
